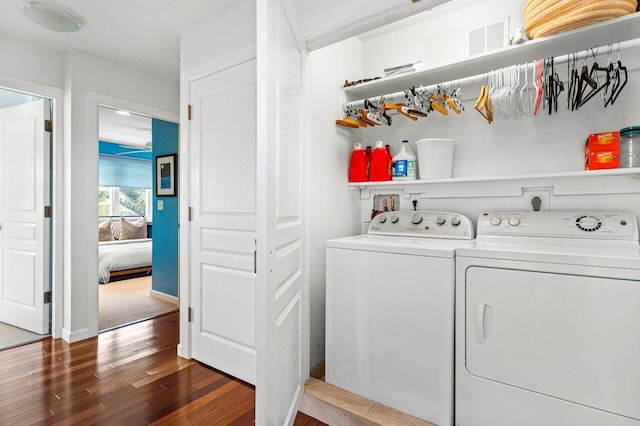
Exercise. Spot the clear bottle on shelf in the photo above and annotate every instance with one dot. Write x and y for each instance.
(405, 164)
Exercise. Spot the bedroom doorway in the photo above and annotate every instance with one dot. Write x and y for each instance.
(25, 228)
(131, 276)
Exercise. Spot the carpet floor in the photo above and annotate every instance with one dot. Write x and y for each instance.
(127, 301)
(11, 336)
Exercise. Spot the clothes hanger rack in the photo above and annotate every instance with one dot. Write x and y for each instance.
(400, 97)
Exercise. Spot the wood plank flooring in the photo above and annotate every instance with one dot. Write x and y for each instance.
(128, 376)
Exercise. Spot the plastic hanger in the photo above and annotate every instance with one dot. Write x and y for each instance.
(538, 85)
(482, 104)
(436, 105)
(347, 122)
(615, 92)
(411, 107)
(597, 88)
(402, 110)
(626, 79)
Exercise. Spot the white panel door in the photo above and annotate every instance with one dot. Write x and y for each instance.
(223, 231)
(24, 231)
(280, 346)
(565, 336)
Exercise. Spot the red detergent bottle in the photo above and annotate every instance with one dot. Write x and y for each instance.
(380, 163)
(358, 165)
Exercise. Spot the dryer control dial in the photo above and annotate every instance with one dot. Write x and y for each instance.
(440, 220)
(496, 220)
(382, 218)
(416, 219)
(455, 221)
(588, 223)
(394, 219)
(514, 221)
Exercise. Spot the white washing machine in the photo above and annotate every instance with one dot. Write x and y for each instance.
(390, 311)
(548, 320)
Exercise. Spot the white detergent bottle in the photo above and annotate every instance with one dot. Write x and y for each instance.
(405, 164)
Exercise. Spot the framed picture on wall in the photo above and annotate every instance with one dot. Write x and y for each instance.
(166, 175)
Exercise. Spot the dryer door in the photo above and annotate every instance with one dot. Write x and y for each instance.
(566, 336)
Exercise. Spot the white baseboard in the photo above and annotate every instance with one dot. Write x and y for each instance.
(164, 296)
(75, 336)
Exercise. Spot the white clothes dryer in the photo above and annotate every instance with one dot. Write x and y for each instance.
(547, 317)
(390, 311)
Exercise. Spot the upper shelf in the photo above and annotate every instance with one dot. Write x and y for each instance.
(612, 31)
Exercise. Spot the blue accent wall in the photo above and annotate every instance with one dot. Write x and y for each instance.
(110, 148)
(165, 222)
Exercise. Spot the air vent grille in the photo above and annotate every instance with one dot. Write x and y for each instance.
(488, 38)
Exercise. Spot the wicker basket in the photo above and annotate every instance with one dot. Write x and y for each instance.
(546, 17)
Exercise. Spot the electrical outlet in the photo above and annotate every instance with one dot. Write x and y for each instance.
(529, 199)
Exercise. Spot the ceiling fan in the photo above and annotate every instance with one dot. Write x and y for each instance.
(148, 146)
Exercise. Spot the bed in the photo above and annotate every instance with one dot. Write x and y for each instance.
(129, 254)
(123, 257)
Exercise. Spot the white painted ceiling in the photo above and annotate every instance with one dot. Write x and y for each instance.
(145, 34)
(140, 34)
(131, 130)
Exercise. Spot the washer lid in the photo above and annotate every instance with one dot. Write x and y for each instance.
(417, 246)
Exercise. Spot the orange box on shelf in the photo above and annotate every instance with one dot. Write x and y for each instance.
(597, 160)
(605, 141)
(602, 151)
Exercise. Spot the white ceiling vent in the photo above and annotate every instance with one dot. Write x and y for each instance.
(485, 39)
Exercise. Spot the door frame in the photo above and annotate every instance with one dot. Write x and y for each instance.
(187, 77)
(93, 102)
(56, 241)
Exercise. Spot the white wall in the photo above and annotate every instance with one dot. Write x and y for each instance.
(332, 208)
(218, 36)
(437, 37)
(90, 81)
(30, 62)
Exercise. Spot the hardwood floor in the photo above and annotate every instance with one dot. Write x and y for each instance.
(128, 376)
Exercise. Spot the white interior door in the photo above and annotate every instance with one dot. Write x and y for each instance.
(223, 230)
(24, 231)
(281, 348)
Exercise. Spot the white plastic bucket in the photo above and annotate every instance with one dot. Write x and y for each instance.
(435, 157)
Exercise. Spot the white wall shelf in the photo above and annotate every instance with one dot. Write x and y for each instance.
(602, 34)
(416, 186)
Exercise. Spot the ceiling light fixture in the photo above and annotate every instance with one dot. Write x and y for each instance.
(122, 112)
(52, 16)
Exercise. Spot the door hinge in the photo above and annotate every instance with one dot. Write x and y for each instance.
(189, 214)
(189, 315)
(48, 126)
(188, 112)
(47, 297)
(48, 211)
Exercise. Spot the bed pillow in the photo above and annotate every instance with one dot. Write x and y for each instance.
(104, 231)
(115, 229)
(133, 230)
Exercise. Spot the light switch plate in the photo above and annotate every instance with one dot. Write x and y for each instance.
(160, 204)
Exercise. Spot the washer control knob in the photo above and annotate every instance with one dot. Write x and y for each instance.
(440, 220)
(514, 221)
(394, 219)
(495, 221)
(382, 218)
(416, 219)
(455, 221)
